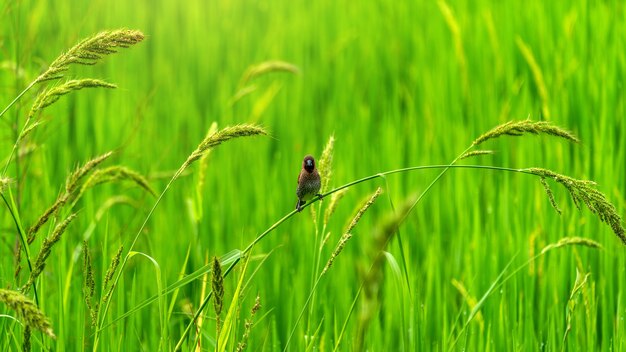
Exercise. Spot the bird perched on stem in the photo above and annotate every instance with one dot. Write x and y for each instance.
(309, 182)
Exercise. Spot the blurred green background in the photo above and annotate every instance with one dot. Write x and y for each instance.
(398, 83)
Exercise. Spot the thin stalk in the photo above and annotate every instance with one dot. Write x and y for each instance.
(18, 97)
(249, 248)
(20, 230)
(126, 257)
(201, 308)
(382, 174)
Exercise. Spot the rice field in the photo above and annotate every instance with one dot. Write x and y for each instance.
(471, 156)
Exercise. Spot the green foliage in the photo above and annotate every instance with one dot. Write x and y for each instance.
(396, 84)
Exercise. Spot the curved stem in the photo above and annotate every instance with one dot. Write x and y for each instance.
(249, 248)
(371, 177)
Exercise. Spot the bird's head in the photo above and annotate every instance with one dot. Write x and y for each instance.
(308, 163)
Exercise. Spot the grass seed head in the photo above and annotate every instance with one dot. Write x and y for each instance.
(326, 163)
(584, 192)
(476, 153)
(267, 67)
(546, 187)
(219, 137)
(332, 205)
(518, 128)
(217, 284)
(115, 174)
(71, 185)
(91, 50)
(348, 235)
(115, 262)
(26, 310)
(46, 249)
(51, 95)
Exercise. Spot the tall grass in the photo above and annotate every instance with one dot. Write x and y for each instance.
(479, 259)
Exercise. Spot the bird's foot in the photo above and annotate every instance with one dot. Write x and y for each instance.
(299, 205)
(320, 196)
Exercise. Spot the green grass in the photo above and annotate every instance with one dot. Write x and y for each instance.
(398, 86)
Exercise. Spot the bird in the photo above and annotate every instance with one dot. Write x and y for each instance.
(309, 182)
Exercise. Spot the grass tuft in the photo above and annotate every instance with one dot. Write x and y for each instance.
(518, 128)
(27, 310)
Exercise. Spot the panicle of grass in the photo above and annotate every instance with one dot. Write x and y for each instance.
(217, 285)
(332, 205)
(89, 285)
(26, 340)
(26, 310)
(46, 249)
(115, 174)
(71, 185)
(583, 192)
(28, 129)
(537, 75)
(546, 187)
(363, 209)
(580, 282)
(73, 181)
(572, 241)
(241, 346)
(18, 260)
(348, 233)
(471, 302)
(115, 262)
(219, 137)
(91, 50)
(373, 278)
(340, 245)
(268, 67)
(476, 153)
(326, 163)
(5, 182)
(518, 128)
(51, 95)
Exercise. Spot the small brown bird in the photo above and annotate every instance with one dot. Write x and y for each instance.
(309, 182)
